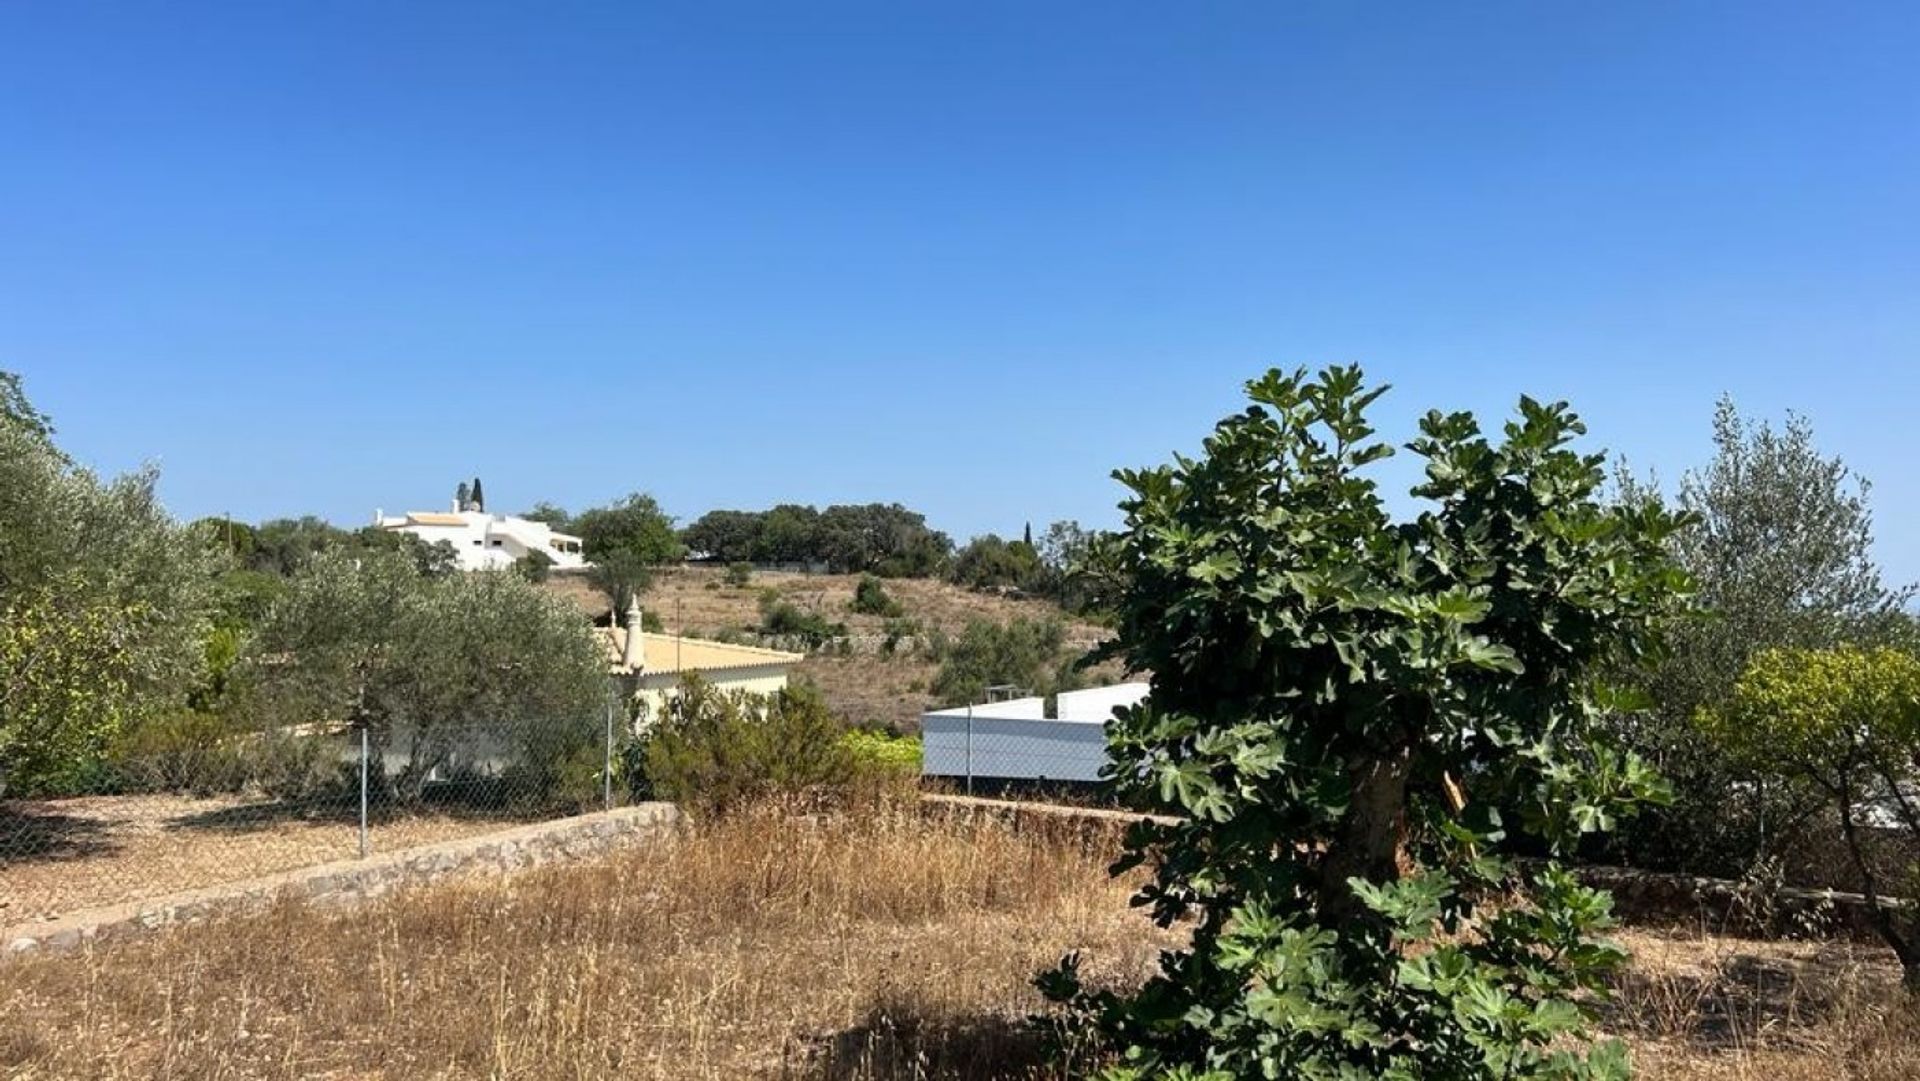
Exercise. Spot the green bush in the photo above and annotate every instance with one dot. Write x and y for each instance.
(897, 631)
(1024, 653)
(739, 575)
(882, 752)
(1841, 728)
(185, 751)
(296, 767)
(783, 618)
(870, 598)
(534, 566)
(559, 766)
(714, 750)
(991, 562)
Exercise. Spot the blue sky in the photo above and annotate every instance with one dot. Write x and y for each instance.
(331, 257)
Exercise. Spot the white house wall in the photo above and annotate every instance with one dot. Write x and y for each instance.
(1098, 703)
(489, 542)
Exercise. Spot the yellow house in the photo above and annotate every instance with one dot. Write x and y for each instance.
(651, 665)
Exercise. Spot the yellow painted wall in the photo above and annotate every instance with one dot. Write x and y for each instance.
(656, 687)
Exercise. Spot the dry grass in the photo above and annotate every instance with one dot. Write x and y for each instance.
(774, 945)
(865, 689)
(60, 856)
(1700, 1006)
(780, 945)
(697, 600)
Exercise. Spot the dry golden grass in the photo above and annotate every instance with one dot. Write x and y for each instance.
(773, 945)
(883, 946)
(697, 600)
(1694, 1005)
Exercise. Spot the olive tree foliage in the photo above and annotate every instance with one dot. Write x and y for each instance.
(105, 605)
(551, 514)
(1781, 552)
(624, 541)
(1029, 654)
(1844, 722)
(17, 411)
(1350, 717)
(432, 664)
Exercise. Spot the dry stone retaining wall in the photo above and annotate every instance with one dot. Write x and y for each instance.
(352, 881)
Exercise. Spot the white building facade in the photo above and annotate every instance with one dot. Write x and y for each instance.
(483, 541)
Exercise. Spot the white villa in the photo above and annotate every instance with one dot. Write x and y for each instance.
(483, 541)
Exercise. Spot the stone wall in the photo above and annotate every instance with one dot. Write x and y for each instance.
(1642, 897)
(352, 881)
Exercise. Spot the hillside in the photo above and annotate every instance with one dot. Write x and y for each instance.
(867, 685)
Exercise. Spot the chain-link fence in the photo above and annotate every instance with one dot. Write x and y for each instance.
(978, 753)
(185, 804)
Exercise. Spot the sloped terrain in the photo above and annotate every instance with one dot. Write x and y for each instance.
(866, 683)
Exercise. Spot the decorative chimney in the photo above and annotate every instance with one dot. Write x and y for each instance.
(634, 657)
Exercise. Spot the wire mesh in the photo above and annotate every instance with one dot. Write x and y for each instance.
(986, 754)
(183, 805)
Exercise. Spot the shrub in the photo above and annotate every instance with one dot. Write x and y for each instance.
(1783, 557)
(787, 620)
(739, 575)
(1843, 726)
(534, 566)
(185, 751)
(882, 751)
(897, 631)
(1024, 653)
(870, 598)
(715, 751)
(1340, 707)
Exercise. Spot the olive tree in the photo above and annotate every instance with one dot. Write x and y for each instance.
(430, 664)
(1781, 551)
(105, 600)
(1350, 719)
(1844, 722)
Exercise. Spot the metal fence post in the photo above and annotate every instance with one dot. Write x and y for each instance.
(969, 748)
(363, 791)
(606, 767)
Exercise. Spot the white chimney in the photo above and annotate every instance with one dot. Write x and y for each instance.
(635, 655)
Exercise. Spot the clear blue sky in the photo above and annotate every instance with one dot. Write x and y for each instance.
(327, 257)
